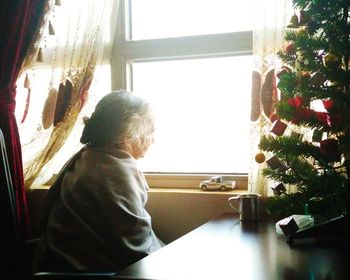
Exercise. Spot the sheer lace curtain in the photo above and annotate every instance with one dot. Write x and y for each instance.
(271, 17)
(68, 75)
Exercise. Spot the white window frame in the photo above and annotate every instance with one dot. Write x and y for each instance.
(126, 51)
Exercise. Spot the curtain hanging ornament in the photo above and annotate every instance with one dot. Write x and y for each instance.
(64, 96)
(28, 87)
(255, 96)
(39, 58)
(27, 82)
(49, 109)
(26, 107)
(269, 93)
(51, 29)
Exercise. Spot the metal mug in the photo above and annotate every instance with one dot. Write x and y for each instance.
(249, 206)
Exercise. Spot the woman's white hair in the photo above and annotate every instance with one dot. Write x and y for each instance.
(123, 120)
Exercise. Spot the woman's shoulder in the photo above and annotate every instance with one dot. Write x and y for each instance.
(108, 162)
(115, 170)
(105, 176)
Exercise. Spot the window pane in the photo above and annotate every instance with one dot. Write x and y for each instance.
(163, 18)
(202, 109)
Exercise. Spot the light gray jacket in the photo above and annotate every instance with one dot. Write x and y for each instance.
(96, 218)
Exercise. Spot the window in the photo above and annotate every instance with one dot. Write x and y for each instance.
(162, 19)
(192, 61)
(201, 120)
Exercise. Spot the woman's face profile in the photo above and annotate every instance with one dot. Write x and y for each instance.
(140, 148)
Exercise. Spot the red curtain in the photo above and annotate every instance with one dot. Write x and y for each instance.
(19, 22)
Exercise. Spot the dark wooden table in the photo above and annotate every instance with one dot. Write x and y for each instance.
(225, 248)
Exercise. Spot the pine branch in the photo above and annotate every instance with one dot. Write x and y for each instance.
(303, 4)
(284, 146)
(281, 176)
(286, 205)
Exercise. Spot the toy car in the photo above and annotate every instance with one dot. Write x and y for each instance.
(217, 183)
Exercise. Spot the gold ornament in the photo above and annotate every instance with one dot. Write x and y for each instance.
(260, 157)
(294, 22)
(332, 60)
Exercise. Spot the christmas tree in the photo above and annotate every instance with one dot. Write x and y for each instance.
(309, 140)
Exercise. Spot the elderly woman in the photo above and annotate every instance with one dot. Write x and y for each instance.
(95, 217)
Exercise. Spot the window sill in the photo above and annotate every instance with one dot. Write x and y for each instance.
(196, 191)
(173, 190)
(191, 181)
(181, 181)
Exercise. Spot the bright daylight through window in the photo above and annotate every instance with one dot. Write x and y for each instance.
(192, 60)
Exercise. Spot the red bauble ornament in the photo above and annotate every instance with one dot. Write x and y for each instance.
(298, 101)
(328, 104)
(291, 102)
(322, 117)
(290, 49)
